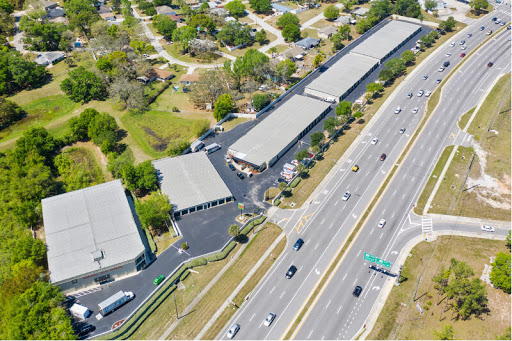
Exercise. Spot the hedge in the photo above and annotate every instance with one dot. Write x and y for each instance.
(277, 202)
(198, 262)
(295, 182)
(184, 275)
(252, 224)
(223, 254)
(151, 242)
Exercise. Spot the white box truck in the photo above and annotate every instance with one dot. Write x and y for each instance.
(288, 166)
(196, 146)
(79, 311)
(115, 301)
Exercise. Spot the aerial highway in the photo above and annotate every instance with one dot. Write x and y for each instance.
(327, 220)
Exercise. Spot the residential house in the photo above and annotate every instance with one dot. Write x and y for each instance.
(176, 18)
(327, 32)
(220, 12)
(194, 4)
(163, 75)
(59, 20)
(49, 58)
(187, 80)
(165, 10)
(55, 13)
(48, 5)
(212, 4)
(307, 43)
(280, 9)
(295, 53)
(108, 16)
(359, 11)
(103, 9)
(229, 19)
(342, 20)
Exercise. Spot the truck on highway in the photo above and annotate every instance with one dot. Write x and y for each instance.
(115, 301)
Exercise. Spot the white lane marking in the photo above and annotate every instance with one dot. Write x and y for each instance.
(371, 232)
(339, 310)
(336, 203)
(394, 192)
(322, 221)
(252, 317)
(403, 196)
(327, 306)
(393, 215)
(282, 294)
(383, 211)
(331, 226)
(317, 245)
(355, 282)
(358, 253)
(381, 235)
(272, 290)
(345, 276)
(311, 332)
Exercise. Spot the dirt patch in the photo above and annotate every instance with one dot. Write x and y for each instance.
(161, 144)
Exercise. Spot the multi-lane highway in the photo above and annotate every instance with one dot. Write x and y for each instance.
(327, 220)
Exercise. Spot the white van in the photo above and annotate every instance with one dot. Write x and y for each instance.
(196, 146)
(288, 166)
(211, 148)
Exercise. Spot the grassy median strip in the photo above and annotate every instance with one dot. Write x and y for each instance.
(191, 324)
(239, 299)
(400, 319)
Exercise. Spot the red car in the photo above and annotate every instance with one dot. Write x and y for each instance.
(463, 55)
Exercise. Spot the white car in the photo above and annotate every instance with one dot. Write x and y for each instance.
(382, 222)
(487, 228)
(397, 110)
(232, 331)
(346, 196)
(452, 44)
(420, 93)
(448, 55)
(226, 158)
(295, 162)
(402, 130)
(463, 47)
(375, 140)
(145, 55)
(415, 110)
(425, 77)
(270, 318)
(428, 93)
(441, 69)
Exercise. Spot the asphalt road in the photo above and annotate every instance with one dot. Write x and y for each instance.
(327, 221)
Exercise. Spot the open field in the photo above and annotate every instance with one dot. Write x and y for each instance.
(192, 324)
(175, 51)
(485, 193)
(400, 318)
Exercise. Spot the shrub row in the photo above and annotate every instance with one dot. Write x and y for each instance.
(295, 182)
(151, 242)
(252, 224)
(184, 275)
(198, 262)
(223, 254)
(277, 202)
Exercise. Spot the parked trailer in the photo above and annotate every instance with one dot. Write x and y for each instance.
(115, 301)
(79, 311)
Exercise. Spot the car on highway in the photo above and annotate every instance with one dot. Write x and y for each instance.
(158, 280)
(470, 35)
(448, 55)
(503, 23)
(346, 196)
(438, 81)
(375, 140)
(355, 168)
(463, 55)
(383, 157)
(145, 55)
(508, 27)
(402, 130)
(226, 158)
(487, 228)
(397, 110)
(298, 244)
(452, 44)
(409, 95)
(494, 19)
(489, 32)
(425, 77)
(428, 93)
(441, 69)
(232, 331)
(490, 64)
(497, 21)
(415, 110)
(463, 47)
(382, 222)
(357, 291)
(240, 175)
(482, 28)
(231, 167)
(462, 42)
(270, 318)
(291, 271)
(420, 93)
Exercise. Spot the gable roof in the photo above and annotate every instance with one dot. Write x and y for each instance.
(164, 10)
(307, 42)
(189, 78)
(328, 30)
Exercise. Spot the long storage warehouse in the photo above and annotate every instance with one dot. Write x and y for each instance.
(264, 144)
(387, 40)
(341, 78)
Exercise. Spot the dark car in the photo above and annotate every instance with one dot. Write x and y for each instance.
(240, 175)
(282, 180)
(291, 271)
(383, 157)
(438, 81)
(86, 330)
(298, 244)
(357, 291)
(482, 28)
(232, 167)
(446, 64)
(494, 19)
(490, 64)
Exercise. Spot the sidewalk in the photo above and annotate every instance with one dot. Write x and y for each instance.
(469, 220)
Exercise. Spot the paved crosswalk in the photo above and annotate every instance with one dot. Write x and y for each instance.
(426, 224)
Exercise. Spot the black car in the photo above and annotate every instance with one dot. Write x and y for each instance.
(240, 175)
(383, 157)
(490, 64)
(494, 19)
(298, 244)
(357, 291)
(86, 330)
(291, 271)
(446, 64)
(282, 180)
(231, 167)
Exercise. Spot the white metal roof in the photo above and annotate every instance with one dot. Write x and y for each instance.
(340, 77)
(190, 180)
(386, 39)
(267, 139)
(91, 221)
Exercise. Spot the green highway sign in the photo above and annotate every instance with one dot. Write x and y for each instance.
(369, 257)
(383, 262)
(241, 206)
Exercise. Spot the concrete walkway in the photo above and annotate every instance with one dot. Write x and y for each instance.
(469, 220)
(239, 287)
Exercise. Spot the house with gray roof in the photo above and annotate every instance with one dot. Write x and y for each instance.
(164, 10)
(327, 32)
(360, 11)
(49, 58)
(307, 43)
(93, 237)
(282, 9)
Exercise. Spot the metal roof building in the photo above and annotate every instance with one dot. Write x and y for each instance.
(336, 82)
(385, 41)
(264, 144)
(92, 236)
(191, 182)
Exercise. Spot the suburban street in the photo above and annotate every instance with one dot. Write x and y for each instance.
(327, 220)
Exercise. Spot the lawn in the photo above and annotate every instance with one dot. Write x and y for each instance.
(310, 13)
(175, 51)
(400, 319)
(194, 322)
(233, 122)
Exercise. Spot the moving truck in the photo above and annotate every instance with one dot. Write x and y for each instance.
(196, 146)
(79, 311)
(115, 301)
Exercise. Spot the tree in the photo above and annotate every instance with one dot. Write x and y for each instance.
(363, 25)
(336, 39)
(408, 57)
(344, 108)
(234, 230)
(261, 36)
(330, 124)
(374, 87)
(164, 25)
(301, 155)
(211, 84)
(449, 24)
(260, 101)
(446, 334)
(500, 272)
(318, 60)
(223, 106)
(128, 92)
(282, 186)
(347, 5)
(141, 178)
(81, 14)
(260, 6)
(99, 125)
(177, 147)
(116, 6)
(291, 33)
(234, 34)
(430, 5)
(83, 86)
(441, 281)
(287, 19)
(184, 36)
(10, 112)
(331, 12)
(317, 138)
(385, 75)
(478, 5)
(203, 22)
(396, 66)
(344, 30)
(408, 8)
(285, 69)
(17, 73)
(154, 211)
(236, 8)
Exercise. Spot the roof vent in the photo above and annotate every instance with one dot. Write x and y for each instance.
(97, 255)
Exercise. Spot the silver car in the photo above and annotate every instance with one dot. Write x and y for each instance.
(270, 318)
(232, 331)
(346, 196)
